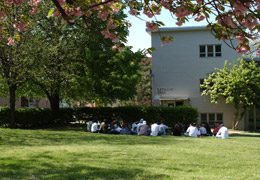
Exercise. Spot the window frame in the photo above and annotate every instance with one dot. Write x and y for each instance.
(213, 54)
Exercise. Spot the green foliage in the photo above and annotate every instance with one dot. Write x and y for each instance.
(239, 84)
(112, 75)
(132, 114)
(37, 118)
(43, 118)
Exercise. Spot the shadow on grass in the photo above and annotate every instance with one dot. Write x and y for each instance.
(245, 135)
(26, 169)
(47, 137)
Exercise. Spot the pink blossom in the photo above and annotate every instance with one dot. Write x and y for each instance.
(76, 12)
(10, 42)
(182, 12)
(133, 12)
(258, 53)
(2, 14)
(33, 10)
(115, 9)
(199, 1)
(15, 2)
(34, 3)
(109, 35)
(166, 4)
(148, 12)
(242, 49)
(240, 7)
(251, 23)
(20, 26)
(240, 38)
(152, 26)
(226, 20)
(103, 15)
(199, 18)
(165, 40)
(18, 2)
(111, 24)
(62, 2)
(179, 23)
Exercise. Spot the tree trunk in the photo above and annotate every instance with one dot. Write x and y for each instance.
(12, 99)
(55, 102)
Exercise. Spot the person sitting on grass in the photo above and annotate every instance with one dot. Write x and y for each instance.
(104, 127)
(139, 125)
(177, 129)
(144, 129)
(216, 128)
(155, 128)
(162, 128)
(94, 127)
(134, 127)
(203, 130)
(206, 125)
(115, 127)
(125, 129)
(222, 132)
(192, 131)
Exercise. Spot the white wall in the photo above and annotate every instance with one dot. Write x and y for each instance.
(178, 67)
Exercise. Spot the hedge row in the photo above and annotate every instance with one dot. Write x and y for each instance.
(43, 118)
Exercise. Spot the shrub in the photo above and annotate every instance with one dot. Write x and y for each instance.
(33, 118)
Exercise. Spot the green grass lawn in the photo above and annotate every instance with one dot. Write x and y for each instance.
(74, 154)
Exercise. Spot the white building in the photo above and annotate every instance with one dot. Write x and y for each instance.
(180, 67)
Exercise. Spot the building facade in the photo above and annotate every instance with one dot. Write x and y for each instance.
(179, 68)
(23, 102)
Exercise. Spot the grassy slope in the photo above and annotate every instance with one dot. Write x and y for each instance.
(68, 154)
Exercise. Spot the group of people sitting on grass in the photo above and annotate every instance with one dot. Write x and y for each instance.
(141, 127)
(219, 131)
(121, 127)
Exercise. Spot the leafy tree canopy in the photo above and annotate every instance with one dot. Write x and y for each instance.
(238, 84)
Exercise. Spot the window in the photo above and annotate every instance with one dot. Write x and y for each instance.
(203, 117)
(203, 51)
(218, 50)
(179, 103)
(210, 50)
(170, 104)
(219, 117)
(211, 118)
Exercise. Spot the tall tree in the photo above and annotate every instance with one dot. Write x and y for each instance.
(76, 62)
(12, 63)
(238, 84)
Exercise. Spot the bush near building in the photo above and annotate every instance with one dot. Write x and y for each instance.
(35, 118)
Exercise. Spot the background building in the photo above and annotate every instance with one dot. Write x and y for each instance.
(180, 67)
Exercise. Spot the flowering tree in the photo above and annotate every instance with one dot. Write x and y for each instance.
(227, 19)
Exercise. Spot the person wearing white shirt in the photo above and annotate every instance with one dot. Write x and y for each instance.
(94, 127)
(155, 129)
(192, 131)
(222, 132)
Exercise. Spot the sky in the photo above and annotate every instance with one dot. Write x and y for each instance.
(138, 37)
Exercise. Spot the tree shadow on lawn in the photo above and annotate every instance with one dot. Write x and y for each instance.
(25, 169)
(245, 135)
(40, 138)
